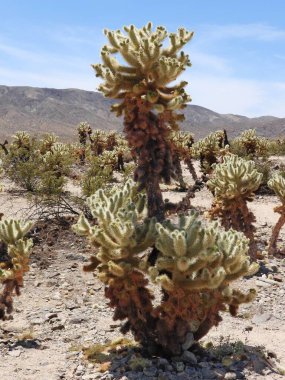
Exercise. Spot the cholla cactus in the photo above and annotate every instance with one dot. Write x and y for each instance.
(195, 266)
(14, 261)
(121, 235)
(143, 87)
(209, 149)
(183, 142)
(21, 140)
(56, 164)
(22, 163)
(277, 183)
(46, 144)
(97, 140)
(233, 184)
(251, 145)
(200, 262)
(84, 130)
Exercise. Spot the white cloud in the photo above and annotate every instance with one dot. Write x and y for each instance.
(238, 96)
(208, 61)
(260, 31)
(52, 79)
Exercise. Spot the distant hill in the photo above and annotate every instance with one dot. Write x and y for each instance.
(40, 110)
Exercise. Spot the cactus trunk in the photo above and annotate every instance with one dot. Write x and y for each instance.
(275, 233)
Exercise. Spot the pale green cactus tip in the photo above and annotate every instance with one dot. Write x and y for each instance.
(198, 256)
(12, 230)
(151, 66)
(122, 198)
(234, 177)
(277, 183)
(121, 230)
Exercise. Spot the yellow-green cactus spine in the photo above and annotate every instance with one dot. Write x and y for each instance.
(233, 184)
(277, 183)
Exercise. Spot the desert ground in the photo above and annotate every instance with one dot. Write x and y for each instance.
(62, 312)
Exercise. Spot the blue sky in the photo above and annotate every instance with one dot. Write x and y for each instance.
(237, 53)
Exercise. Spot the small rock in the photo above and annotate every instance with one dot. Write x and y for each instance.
(207, 373)
(57, 327)
(230, 376)
(15, 353)
(179, 366)
(50, 316)
(56, 296)
(277, 277)
(37, 321)
(189, 341)
(150, 371)
(79, 370)
(189, 357)
(162, 363)
(261, 318)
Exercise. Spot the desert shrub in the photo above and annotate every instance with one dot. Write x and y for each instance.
(22, 163)
(55, 167)
(97, 176)
(38, 165)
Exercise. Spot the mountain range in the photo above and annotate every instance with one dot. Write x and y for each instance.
(41, 110)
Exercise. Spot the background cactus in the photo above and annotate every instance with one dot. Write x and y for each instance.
(277, 183)
(209, 149)
(183, 142)
(14, 261)
(249, 145)
(233, 184)
(148, 104)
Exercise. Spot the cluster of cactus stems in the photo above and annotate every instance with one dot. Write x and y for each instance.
(147, 102)
(209, 149)
(84, 131)
(14, 261)
(251, 145)
(233, 184)
(277, 183)
(195, 266)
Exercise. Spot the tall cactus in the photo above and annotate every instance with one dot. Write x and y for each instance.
(148, 102)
